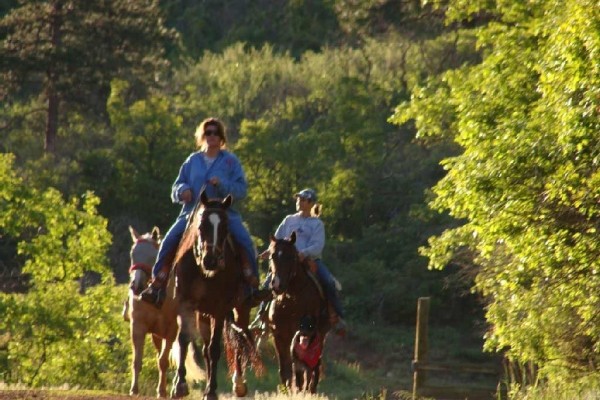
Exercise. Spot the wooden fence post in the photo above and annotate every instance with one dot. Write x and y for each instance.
(420, 343)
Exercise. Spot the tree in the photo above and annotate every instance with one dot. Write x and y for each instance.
(55, 333)
(288, 26)
(526, 183)
(68, 51)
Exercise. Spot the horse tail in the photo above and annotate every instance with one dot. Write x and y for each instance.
(239, 343)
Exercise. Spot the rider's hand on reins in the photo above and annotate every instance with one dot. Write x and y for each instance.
(264, 255)
(186, 196)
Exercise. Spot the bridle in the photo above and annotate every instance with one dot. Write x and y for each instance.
(140, 265)
(216, 248)
(294, 264)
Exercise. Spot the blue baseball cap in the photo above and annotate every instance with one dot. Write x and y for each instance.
(307, 194)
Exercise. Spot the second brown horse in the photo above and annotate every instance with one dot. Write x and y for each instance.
(296, 297)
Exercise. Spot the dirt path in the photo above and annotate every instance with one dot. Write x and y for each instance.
(59, 395)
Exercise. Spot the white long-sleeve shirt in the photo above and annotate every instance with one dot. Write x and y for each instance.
(310, 234)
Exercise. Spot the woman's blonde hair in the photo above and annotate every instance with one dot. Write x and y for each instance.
(199, 135)
(316, 209)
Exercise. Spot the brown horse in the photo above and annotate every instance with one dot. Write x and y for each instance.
(143, 317)
(209, 287)
(296, 297)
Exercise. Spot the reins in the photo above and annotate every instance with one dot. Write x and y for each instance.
(298, 265)
(219, 249)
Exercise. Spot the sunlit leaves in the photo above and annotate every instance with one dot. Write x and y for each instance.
(527, 181)
(55, 332)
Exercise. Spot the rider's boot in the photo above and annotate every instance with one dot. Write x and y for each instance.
(156, 292)
(338, 324)
(255, 294)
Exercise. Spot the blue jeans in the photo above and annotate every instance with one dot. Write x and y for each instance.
(328, 283)
(173, 236)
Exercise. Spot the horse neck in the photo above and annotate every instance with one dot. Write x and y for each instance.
(301, 278)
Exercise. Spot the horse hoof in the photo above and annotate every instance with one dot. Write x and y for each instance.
(179, 391)
(240, 389)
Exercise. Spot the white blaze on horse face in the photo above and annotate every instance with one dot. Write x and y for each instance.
(138, 280)
(215, 221)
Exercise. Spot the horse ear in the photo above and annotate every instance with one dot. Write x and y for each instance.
(204, 197)
(156, 233)
(227, 202)
(293, 237)
(134, 234)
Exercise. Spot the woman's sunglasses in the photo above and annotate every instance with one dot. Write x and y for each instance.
(211, 132)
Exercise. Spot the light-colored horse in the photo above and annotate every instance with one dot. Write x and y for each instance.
(144, 318)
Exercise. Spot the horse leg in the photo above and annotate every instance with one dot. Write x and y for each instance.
(204, 328)
(241, 320)
(163, 364)
(240, 388)
(298, 374)
(214, 353)
(138, 335)
(185, 322)
(314, 376)
(282, 346)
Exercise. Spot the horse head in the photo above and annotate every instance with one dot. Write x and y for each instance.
(284, 262)
(142, 255)
(212, 233)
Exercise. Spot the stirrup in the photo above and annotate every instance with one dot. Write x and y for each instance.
(257, 325)
(153, 295)
(261, 320)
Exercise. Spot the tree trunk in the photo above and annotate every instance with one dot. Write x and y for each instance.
(51, 120)
(52, 77)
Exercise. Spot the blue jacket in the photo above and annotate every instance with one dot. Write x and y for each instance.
(194, 174)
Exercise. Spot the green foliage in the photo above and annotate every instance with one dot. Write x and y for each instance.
(293, 26)
(55, 333)
(295, 119)
(583, 389)
(293, 126)
(68, 52)
(147, 150)
(58, 336)
(525, 184)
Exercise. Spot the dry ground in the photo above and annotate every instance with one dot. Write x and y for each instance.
(59, 395)
(65, 395)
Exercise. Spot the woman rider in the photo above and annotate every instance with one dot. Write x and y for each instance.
(310, 240)
(220, 173)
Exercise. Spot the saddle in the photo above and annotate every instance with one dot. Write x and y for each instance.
(311, 267)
